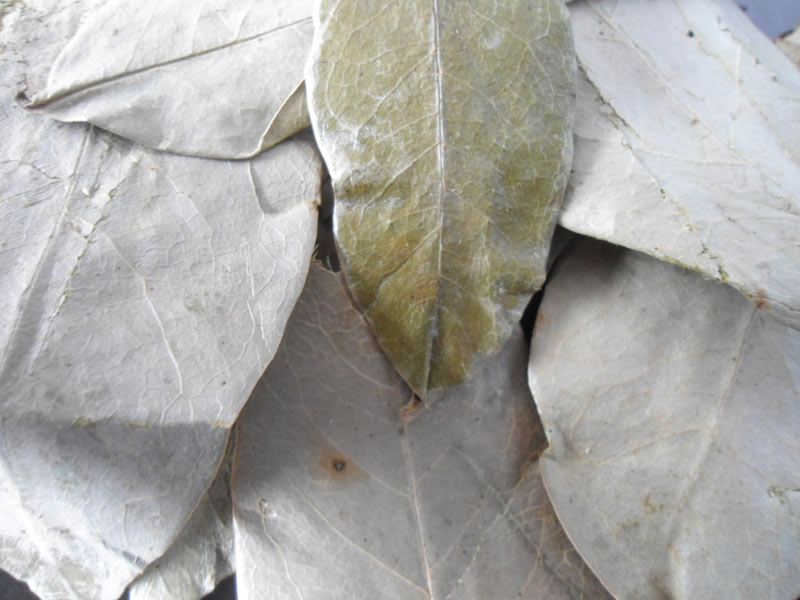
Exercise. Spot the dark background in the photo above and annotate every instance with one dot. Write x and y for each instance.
(773, 17)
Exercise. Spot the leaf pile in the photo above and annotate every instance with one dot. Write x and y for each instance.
(186, 394)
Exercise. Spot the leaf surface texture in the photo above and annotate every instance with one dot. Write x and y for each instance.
(202, 555)
(215, 78)
(686, 143)
(335, 496)
(671, 407)
(142, 296)
(447, 130)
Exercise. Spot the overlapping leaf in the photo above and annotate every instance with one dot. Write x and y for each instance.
(215, 78)
(202, 556)
(672, 406)
(686, 143)
(790, 45)
(446, 127)
(142, 296)
(335, 497)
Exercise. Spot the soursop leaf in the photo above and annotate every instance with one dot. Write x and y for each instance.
(202, 556)
(686, 143)
(216, 78)
(336, 496)
(790, 46)
(672, 409)
(447, 131)
(142, 294)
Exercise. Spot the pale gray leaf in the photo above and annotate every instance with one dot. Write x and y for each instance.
(216, 78)
(686, 143)
(672, 407)
(142, 295)
(202, 556)
(335, 496)
(790, 45)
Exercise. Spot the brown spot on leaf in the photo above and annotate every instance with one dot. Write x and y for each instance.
(649, 506)
(541, 321)
(760, 298)
(412, 409)
(334, 467)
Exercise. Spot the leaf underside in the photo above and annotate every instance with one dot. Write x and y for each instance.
(202, 555)
(712, 183)
(336, 497)
(142, 294)
(218, 78)
(671, 407)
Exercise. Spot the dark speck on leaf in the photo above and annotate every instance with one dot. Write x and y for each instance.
(336, 467)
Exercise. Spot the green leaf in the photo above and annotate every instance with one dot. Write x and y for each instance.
(446, 127)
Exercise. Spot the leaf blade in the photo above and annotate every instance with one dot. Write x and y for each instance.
(203, 79)
(671, 408)
(355, 502)
(441, 249)
(143, 293)
(712, 183)
(202, 555)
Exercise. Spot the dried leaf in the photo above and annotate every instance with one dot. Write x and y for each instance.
(790, 46)
(686, 143)
(671, 406)
(336, 497)
(446, 128)
(217, 78)
(202, 556)
(142, 295)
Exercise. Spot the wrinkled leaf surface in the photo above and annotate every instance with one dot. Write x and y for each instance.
(446, 127)
(142, 296)
(216, 78)
(686, 146)
(672, 407)
(336, 497)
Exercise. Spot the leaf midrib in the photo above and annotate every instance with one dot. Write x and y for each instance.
(439, 101)
(41, 103)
